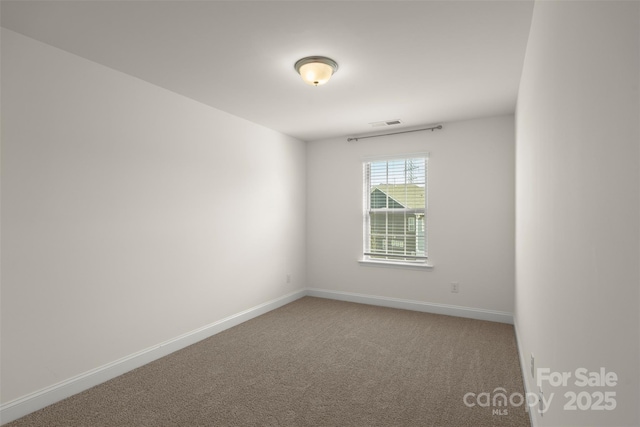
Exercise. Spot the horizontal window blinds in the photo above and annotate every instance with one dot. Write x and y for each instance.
(395, 194)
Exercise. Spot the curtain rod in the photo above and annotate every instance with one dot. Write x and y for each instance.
(394, 133)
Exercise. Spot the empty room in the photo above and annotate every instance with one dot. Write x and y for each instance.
(320, 213)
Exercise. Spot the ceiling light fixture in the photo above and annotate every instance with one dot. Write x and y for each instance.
(316, 70)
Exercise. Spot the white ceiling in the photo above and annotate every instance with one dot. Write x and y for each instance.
(423, 62)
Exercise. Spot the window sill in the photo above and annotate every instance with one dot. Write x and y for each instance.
(395, 264)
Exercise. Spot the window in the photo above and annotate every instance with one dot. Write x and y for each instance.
(395, 195)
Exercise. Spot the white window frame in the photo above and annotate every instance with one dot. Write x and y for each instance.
(369, 257)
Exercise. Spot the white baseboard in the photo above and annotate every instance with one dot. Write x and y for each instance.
(32, 402)
(525, 373)
(428, 307)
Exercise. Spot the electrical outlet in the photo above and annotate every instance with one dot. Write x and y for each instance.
(455, 287)
(532, 364)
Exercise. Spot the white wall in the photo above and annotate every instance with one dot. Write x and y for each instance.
(130, 215)
(470, 215)
(578, 202)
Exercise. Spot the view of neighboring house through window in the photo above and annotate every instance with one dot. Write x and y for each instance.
(395, 208)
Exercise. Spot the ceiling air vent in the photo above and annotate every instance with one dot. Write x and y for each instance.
(386, 123)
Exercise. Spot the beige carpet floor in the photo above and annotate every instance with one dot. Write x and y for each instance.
(315, 362)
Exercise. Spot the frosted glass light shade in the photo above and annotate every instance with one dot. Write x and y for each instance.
(316, 70)
(316, 73)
